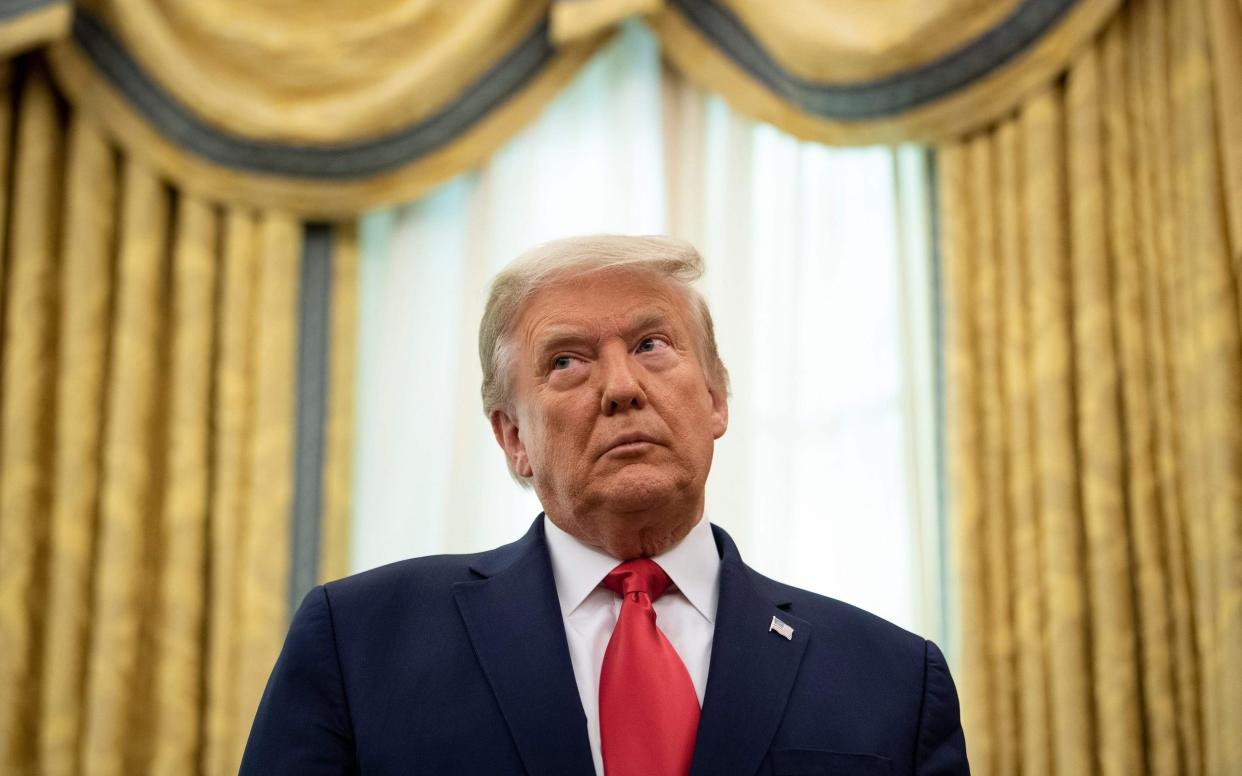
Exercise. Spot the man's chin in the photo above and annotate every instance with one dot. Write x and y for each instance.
(638, 488)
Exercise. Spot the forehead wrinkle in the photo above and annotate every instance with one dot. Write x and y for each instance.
(548, 328)
(650, 318)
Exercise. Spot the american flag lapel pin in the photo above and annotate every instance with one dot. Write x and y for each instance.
(781, 629)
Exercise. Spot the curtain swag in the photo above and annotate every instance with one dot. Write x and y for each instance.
(329, 108)
(849, 73)
(26, 24)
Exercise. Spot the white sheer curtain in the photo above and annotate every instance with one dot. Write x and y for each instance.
(817, 275)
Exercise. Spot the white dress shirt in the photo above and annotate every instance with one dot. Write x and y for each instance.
(686, 613)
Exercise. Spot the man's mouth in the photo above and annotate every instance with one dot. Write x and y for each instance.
(629, 444)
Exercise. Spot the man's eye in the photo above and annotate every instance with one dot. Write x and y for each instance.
(649, 344)
(561, 362)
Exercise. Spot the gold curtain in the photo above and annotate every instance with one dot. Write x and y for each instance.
(1092, 256)
(146, 451)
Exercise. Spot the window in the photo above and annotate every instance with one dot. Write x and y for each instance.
(819, 278)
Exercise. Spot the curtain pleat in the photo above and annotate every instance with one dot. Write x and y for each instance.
(86, 292)
(963, 438)
(265, 537)
(253, 444)
(1056, 454)
(25, 413)
(1121, 394)
(1100, 433)
(1033, 742)
(1152, 622)
(999, 644)
(339, 452)
(1179, 407)
(234, 400)
(120, 676)
(1217, 306)
(1225, 27)
(6, 146)
(181, 622)
(1210, 317)
(1146, 90)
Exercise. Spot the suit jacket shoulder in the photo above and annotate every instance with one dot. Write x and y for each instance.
(855, 637)
(415, 588)
(848, 693)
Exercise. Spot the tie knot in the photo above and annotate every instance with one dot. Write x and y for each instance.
(642, 575)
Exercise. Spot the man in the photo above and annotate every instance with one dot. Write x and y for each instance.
(622, 635)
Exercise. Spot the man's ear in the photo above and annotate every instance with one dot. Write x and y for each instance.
(720, 412)
(505, 429)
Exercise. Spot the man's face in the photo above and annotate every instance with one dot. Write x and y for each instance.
(611, 415)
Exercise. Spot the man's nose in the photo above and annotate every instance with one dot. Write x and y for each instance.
(622, 390)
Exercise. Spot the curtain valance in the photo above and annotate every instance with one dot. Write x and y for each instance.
(855, 72)
(320, 108)
(326, 108)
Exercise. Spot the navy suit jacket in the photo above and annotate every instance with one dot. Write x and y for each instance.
(459, 665)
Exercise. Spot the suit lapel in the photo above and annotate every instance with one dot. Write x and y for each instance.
(515, 626)
(751, 674)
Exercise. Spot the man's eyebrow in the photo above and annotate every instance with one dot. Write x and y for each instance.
(646, 319)
(561, 336)
(555, 337)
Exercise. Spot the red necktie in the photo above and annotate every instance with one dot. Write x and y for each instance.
(648, 712)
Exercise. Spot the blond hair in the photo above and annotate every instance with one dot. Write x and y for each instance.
(675, 261)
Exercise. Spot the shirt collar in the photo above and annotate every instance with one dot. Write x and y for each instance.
(693, 564)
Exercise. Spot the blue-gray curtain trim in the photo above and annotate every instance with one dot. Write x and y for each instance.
(314, 315)
(887, 96)
(12, 8)
(342, 161)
